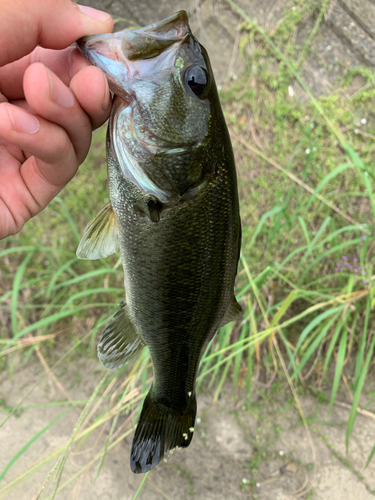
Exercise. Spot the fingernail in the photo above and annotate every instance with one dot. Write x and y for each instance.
(22, 121)
(107, 97)
(96, 14)
(60, 94)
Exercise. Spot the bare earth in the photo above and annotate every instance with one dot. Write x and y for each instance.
(267, 443)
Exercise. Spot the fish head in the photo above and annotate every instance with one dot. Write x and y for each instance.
(166, 100)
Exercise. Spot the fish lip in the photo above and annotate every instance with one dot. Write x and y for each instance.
(177, 23)
(172, 29)
(119, 55)
(116, 54)
(109, 59)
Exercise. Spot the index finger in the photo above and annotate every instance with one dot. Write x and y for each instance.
(52, 24)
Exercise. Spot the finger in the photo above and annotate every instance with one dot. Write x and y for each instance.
(13, 151)
(53, 162)
(64, 63)
(51, 99)
(17, 205)
(91, 89)
(54, 25)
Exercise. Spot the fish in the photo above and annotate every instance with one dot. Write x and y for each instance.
(174, 216)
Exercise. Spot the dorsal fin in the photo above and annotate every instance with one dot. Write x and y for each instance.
(100, 235)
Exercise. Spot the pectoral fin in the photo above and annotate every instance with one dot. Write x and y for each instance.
(120, 341)
(234, 312)
(150, 207)
(100, 236)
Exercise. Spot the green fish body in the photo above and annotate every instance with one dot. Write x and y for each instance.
(173, 213)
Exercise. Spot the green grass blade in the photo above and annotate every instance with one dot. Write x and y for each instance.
(141, 485)
(93, 291)
(43, 322)
(262, 221)
(339, 367)
(371, 456)
(258, 280)
(30, 442)
(362, 346)
(314, 240)
(15, 291)
(68, 218)
(293, 71)
(115, 420)
(250, 365)
(89, 464)
(33, 248)
(368, 184)
(305, 230)
(85, 277)
(332, 344)
(284, 307)
(222, 343)
(365, 174)
(288, 350)
(328, 178)
(313, 324)
(75, 431)
(315, 344)
(260, 336)
(57, 274)
(359, 386)
(323, 255)
(55, 365)
(222, 380)
(237, 359)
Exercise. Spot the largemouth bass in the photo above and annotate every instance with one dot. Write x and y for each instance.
(173, 213)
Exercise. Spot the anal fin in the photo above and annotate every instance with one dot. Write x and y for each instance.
(120, 341)
(100, 236)
(234, 312)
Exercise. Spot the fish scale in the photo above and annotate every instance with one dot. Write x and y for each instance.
(174, 215)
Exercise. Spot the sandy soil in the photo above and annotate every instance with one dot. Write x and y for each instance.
(263, 452)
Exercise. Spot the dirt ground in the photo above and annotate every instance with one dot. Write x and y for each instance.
(260, 452)
(263, 452)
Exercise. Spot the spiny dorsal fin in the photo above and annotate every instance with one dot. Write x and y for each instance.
(120, 341)
(234, 312)
(100, 236)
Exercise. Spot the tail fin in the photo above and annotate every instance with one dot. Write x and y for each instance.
(159, 430)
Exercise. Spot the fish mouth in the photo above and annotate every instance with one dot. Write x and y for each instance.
(119, 55)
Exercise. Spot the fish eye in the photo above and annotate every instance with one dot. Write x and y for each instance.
(197, 79)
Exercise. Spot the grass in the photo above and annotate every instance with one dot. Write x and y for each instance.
(306, 271)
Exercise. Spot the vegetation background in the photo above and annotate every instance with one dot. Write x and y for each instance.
(286, 396)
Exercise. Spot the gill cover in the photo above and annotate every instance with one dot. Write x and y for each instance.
(160, 118)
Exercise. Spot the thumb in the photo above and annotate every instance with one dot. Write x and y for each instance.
(53, 24)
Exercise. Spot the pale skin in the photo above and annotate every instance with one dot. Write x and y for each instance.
(50, 101)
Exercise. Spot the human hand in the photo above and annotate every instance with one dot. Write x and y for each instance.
(50, 100)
